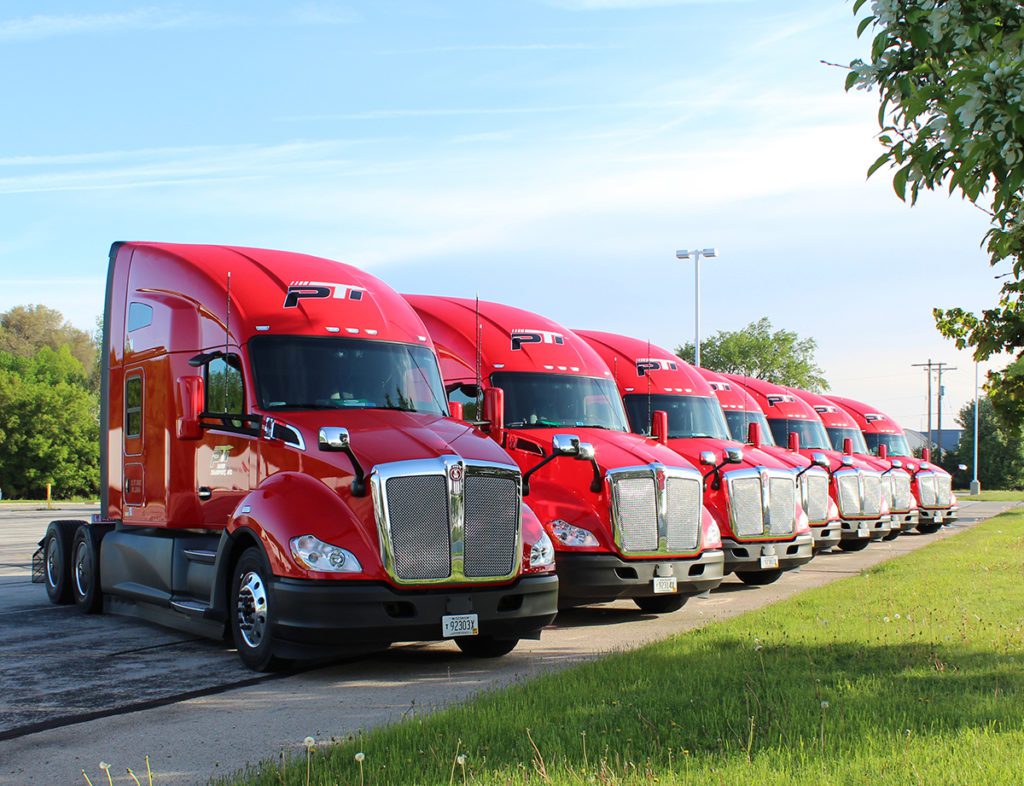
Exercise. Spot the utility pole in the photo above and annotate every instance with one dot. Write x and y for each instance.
(930, 366)
(941, 366)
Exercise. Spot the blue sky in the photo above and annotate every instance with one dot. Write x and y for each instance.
(551, 154)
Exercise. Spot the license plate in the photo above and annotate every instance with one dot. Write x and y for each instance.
(664, 584)
(938, 517)
(453, 625)
(863, 532)
(769, 562)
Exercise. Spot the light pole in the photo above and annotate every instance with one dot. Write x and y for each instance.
(696, 254)
(975, 483)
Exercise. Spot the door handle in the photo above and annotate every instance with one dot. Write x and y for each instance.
(205, 493)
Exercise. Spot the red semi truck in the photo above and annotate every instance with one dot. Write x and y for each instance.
(931, 485)
(855, 486)
(753, 496)
(278, 460)
(845, 435)
(741, 410)
(625, 513)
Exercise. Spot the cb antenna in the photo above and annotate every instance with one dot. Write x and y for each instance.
(227, 338)
(479, 362)
(647, 374)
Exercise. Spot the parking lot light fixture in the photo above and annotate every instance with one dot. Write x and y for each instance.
(696, 254)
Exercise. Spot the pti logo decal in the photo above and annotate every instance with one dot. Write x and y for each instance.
(643, 365)
(320, 290)
(520, 337)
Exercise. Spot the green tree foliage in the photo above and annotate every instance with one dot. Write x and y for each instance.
(950, 76)
(26, 329)
(781, 356)
(1000, 453)
(49, 427)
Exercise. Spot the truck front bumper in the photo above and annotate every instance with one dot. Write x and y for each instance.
(747, 556)
(596, 578)
(826, 536)
(939, 515)
(859, 529)
(318, 617)
(905, 521)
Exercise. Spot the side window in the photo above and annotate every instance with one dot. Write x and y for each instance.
(225, 394)
(133, 406)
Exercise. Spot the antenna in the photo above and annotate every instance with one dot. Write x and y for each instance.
(479, 363)
(648, 375)
(227, 339)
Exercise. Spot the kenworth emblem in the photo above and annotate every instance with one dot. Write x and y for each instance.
(319, 290)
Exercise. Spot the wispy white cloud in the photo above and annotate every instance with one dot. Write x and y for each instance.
(49, 26)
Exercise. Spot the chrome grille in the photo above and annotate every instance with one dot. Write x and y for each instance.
(943, 490)
(420, 529)
(872, 501)
(492, 525)
(747, 508)
(903, 500)
(816, 496)
(682, 513)
(781, 505)
(637, 513)
(849, 495)
(926, 490)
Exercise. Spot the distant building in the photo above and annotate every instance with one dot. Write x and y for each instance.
(949, 438)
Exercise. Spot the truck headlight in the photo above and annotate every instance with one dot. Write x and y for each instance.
(571, 535)
(542, 553)
(313, 554)
(713, 537)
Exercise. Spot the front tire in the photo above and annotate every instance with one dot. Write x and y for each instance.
(57, 550)
(661, 604)
(252, 612)
(854, 545)
(85, 573)
(759, 578)
(485, 646)
(928, 528)
(893, 535)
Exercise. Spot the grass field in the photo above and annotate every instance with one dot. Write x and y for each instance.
(992, 496)
(911, 673)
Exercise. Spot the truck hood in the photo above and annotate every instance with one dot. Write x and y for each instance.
(613, 449)
(690, 448)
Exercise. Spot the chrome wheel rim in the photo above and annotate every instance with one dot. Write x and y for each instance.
(51, 562)
(83, 575)
(252, 609)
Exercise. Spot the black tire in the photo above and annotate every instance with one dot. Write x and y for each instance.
(854, 545)
(57, 560)
(85, 572)
(893, 535)
(759, 578)
(252, 612)
(928, 527)
(661, 604)
(485, 646)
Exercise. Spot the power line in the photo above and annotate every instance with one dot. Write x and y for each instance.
(931, 366)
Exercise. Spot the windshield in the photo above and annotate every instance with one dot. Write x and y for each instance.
(300, 372)
(812, 433)
(535, 400)
(688, 416)
(739, 421)
(838, 435)
(896, 444)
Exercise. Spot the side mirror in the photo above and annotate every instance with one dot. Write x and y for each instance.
(455, 410)
(708, 458)
(659, 426)
(334, 439)
(848, 446)
(734, 455)
(962, 467)
(565, 445)
(494, 412)
(847, 461)
(897, 464)
(190, 406)
(754, 434)
(794, 441)
(819, 460)
(883, 451)
(926, 454)
(587, 452)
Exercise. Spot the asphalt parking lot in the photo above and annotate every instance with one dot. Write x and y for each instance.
(75, 690)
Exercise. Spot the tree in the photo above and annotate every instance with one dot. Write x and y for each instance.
(1000, 454)
(781, 357)
(950, 76)
(24, 330)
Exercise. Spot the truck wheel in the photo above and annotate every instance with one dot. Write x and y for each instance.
(854, 545)
(85, 573)
(485, 646)
(661, 604)
(758, 578)
(928, 528)
(252, 612)
(57, 560)
(892, 535)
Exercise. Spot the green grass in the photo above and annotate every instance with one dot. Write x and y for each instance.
(911, 673)
(72, 501)
(995, 495)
